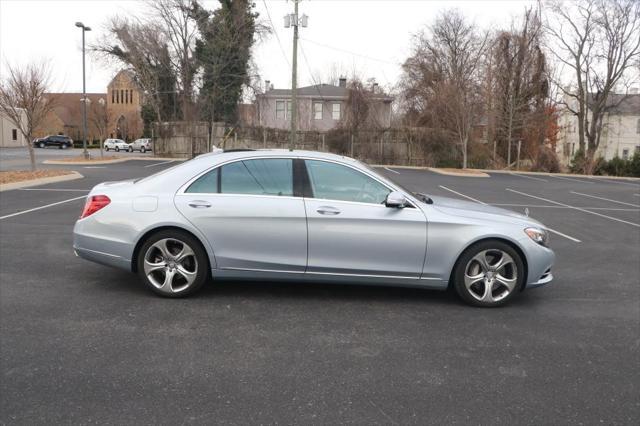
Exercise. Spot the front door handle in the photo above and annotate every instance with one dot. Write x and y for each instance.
(328, 210)
(199, 204)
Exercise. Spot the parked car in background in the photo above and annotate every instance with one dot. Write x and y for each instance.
(61, 141)
(143, 145)
(117, 145)
(306, 216)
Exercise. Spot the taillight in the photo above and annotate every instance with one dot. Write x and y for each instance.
(93, 204)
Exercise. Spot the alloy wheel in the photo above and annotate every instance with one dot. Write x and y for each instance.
(491, 275)
(170, 265)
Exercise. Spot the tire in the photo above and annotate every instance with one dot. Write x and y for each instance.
(117, 148)
(41, 145)
(106, 149)
(142, 150)
(130, 149)
(164, 248)
(489, 264)
(64, 146)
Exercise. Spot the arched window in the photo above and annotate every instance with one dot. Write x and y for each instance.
(121, 95)
(131, 95)
(113, 96)
(126, 96)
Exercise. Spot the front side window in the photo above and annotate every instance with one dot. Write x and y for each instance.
(335, 111)
(337, 182)
(317, 110)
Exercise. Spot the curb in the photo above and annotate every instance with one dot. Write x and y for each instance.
(477, 174)
(118, 160)
(41, 181)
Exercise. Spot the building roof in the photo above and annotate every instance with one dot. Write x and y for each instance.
(623, 104)
(317, 91)
(69, 107)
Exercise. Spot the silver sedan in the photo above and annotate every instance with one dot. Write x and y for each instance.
(306, 216)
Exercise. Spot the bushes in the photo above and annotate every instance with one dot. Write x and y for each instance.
(614, 167)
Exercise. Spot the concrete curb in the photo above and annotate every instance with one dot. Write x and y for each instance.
(476, 174)
(118, 160)
(41, 181)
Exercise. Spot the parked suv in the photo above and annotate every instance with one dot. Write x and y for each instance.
(61, 141)
(143, 145)
(116, 145)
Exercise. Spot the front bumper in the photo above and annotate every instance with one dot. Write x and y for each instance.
(540, 260)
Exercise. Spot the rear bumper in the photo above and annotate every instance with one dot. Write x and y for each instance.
(103, 258)
(91, 245)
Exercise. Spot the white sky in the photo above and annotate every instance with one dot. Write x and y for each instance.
(369, 36)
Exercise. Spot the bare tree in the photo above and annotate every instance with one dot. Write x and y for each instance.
(100, 118)
(441, 81)
(24, 100)
(598, 41)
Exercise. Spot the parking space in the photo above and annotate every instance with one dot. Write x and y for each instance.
(78, 338)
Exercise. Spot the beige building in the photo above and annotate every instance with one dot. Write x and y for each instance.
(10, 135)
(124, 106)
(620, 134)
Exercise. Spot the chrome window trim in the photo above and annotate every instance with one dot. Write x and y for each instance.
(183, 188)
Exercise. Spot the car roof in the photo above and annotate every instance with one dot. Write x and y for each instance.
(222, 156)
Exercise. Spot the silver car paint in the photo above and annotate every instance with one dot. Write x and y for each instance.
(364, 244)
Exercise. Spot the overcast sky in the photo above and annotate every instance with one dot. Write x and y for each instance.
(369, 36)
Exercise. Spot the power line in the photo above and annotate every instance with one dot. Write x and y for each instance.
(276, 33)
(349, 52)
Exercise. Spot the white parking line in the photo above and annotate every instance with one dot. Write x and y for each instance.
(462, 195)
(94, 167)
(637, 195)
(617, 182)
(541, 206)
(54, 189)
(159, 164)
(564, 235)
(528, 177)
(41, 207)
(575, 208)
(605, 199)
(393, 171)
(571, 179)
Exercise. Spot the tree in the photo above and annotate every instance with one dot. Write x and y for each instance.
(441, 80)
(100, 118)
(24, 100)
(223, 50)
(518, 87)
(597, 40)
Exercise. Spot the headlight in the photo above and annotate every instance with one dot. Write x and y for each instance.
(540, 236)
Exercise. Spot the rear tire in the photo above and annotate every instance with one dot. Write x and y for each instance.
(142, 150)
(173, 263)
(488, 274)
(117, 149)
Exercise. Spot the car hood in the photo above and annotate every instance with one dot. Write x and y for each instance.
(470, 209)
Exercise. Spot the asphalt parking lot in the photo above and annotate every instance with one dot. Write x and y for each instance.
(82, 343)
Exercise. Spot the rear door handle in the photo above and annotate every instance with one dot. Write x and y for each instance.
(199, 204)
(328, 210)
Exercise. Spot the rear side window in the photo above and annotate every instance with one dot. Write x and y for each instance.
(332, 181)
(205, 184)
(273, 176)
(254, 177)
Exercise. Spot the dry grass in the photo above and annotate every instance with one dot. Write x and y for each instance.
(22, 175)
(81, 159)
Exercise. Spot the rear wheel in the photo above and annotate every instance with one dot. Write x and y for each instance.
(117, 148)
(172, 263)
(142, 150)
(488, 274)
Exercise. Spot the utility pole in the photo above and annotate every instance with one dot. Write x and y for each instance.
(85, 153)
(295, 21)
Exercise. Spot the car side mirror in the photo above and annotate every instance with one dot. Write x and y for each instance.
(396, 199)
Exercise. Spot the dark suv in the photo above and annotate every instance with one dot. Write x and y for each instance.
(61, 141)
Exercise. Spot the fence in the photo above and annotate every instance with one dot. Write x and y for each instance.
(401, 146)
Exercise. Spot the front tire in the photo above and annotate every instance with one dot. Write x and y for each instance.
(173, 263)
(117, 149)
(488, 274)
(41, 145)
(142, 150)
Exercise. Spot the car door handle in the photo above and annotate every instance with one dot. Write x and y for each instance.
(199, 204)
(328, 210)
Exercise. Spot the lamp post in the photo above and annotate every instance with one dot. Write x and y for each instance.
(84, 94)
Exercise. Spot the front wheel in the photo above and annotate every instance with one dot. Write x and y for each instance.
(142, 150)
(41, 145)
(172, 263)
(117, 149)
(488, 274)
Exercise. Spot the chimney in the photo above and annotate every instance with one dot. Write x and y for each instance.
(343, 82)
(266, 85)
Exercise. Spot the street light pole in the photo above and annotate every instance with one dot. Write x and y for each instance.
(295, 21)
(84, 94)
